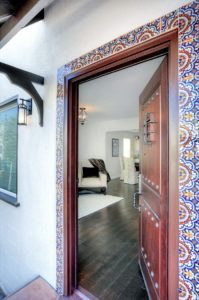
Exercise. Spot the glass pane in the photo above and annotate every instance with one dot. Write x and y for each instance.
(8, 148)
(127, 148)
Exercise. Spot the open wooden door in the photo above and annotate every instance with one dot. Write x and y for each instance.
(154, 183)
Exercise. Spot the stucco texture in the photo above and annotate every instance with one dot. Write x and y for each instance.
(186, 20)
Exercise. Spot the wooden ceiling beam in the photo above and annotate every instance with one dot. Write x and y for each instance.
(4, 68)
(23, 16)
(37, 18)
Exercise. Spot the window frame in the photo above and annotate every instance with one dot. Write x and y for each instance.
(124, 147)
(7, 196)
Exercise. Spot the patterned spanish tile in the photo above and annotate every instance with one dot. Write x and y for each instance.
(188, 95)
(130, 39)
(62, 72)
(59, 177)
(186, 290)
(188, 101)
(186, 19)
(188, 43)
(147, 31)
(169, 21)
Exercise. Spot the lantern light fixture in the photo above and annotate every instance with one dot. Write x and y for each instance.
(82, 115)
(24, 110)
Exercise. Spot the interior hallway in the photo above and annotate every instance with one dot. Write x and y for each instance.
(108, 247)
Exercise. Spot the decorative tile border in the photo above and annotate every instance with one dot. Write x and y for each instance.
(189, 147)
(169, 21)
(186, 20)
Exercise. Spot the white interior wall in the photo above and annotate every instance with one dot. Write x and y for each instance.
(113, 163)
(71, 28)
(92, 136)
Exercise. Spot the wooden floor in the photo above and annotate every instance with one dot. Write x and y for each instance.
(108, 247)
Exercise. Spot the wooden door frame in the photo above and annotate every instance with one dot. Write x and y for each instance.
(165, 43)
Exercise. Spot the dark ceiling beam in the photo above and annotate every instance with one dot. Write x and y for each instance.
(15, 71)
(37, 18)
(4, 18)
(23, 16)
(25, 79)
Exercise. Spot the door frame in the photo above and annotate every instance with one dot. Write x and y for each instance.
(164, 44)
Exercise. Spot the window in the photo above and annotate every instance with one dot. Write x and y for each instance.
(127, 148)
(8, 152)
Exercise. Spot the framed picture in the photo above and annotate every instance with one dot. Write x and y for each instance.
(115, 147)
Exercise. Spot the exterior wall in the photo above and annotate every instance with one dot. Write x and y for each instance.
(71, 28)
(27, 232)
(186, 20)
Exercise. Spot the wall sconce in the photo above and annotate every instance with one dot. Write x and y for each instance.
(82, 115)
(24, 110)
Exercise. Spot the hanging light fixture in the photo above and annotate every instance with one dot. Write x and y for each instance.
(82, 115)
(24, 109)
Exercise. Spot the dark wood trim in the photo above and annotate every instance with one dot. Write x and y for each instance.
(24, 79)
(166, 43)
(70, 189)
(22, 73)
(173, 220)
(23, 16)
(140, 53)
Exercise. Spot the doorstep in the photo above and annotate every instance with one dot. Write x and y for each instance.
(38, 289)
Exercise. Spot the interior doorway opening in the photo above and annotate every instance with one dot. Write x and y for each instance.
(164, 44)
(108, 225)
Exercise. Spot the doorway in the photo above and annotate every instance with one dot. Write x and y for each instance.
(108, 231)
(163, 45)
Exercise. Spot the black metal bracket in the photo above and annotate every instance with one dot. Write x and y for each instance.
(25, 79)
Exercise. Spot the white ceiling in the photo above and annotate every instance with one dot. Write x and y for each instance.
(116, 96)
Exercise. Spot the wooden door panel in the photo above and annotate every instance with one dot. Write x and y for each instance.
(150, 251)
(151, 152)
(154, 183)
(152, 198)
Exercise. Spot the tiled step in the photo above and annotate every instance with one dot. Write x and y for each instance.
(38, 289)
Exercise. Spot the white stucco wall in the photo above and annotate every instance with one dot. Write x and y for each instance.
(71, 28)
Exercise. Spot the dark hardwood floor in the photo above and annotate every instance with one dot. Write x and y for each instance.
(108, 249)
